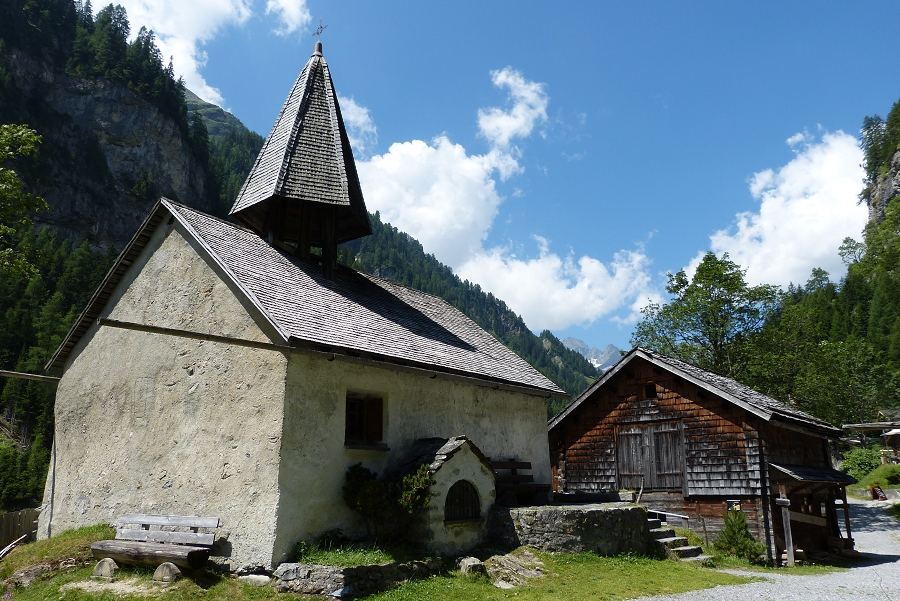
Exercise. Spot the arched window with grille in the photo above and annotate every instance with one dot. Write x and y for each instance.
(462, 502)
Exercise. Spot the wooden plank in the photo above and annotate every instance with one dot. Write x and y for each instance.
(515, 479)
(511, 465)
(163, 536)
(150, 554)
(805, 518)
(169, 520)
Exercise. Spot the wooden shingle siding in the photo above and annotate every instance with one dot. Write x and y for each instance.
(720, 450)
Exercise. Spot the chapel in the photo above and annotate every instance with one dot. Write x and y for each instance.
(236, 370)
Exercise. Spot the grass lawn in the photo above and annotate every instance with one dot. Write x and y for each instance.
(571, 577)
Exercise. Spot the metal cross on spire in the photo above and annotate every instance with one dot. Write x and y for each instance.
(320, 29)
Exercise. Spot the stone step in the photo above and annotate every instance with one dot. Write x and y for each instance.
(653, 523)
(698, 558)
(687, 551)
(672, 542)
(658, 533)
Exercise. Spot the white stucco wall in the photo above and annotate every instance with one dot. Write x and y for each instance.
(314, 459)
(150, 423)
(450, 539)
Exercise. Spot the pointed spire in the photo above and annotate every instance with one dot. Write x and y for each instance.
(303, 189)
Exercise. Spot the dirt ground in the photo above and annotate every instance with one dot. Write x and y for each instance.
(876, 578)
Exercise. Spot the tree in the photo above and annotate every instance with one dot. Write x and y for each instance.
(16, 204)
(710, 318)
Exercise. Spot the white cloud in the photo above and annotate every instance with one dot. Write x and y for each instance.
(182, 27)
(448, 200)
(360, 127)
(292, 13)
(557, 292)
(807, 207)
(435, 192)
(529, 105)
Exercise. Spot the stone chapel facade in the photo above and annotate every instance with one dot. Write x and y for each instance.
(233, 371)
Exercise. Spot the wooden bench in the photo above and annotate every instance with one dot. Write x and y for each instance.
(143, 546)
(509, 479)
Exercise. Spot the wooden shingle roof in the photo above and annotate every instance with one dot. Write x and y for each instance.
(352, 314)
(306, 158)
(755, 402)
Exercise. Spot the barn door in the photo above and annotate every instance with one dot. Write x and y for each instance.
(630, 460)
(668, 453)
(651, 454)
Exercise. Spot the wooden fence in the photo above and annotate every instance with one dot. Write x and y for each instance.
(14, 525)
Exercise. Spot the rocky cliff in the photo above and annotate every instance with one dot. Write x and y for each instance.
(885, 189)
(107, 154)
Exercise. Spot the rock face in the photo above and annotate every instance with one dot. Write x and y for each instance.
(106, 155)
(606, 529)
(886, 189)
(601, 359)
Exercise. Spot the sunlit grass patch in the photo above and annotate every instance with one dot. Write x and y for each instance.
(72, 544)
(573, 577)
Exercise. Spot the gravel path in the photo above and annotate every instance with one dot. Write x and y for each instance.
(877, 537)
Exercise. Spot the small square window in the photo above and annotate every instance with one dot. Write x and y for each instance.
(650, 391)
(364, 419)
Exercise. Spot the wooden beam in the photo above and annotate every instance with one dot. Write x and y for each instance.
(150, 554)
(24, 376)
(846, 512)
(805, 518)
(785, 505)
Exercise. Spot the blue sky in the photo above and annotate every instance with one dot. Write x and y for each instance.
(567, 156)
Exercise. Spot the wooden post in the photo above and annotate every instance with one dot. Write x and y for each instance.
(785, 504)
(846, 513)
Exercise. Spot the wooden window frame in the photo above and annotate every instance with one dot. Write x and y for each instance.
(364, 421)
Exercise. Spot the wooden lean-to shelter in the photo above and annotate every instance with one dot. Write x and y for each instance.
(694, 443)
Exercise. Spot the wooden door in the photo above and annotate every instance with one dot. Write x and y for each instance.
(650, 454)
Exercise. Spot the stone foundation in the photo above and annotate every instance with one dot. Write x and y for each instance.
(357, 581)
(605, 529)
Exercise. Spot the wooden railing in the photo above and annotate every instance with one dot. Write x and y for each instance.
(16, 524)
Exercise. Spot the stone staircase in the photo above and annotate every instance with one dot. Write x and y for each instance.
(675, 547)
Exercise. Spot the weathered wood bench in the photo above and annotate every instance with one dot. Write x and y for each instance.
(143, 546)
(509, 479)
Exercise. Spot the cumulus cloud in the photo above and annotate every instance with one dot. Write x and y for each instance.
(447, 199)
(807, 207)
(182, 28)
(360, 127)
(529, 105)
(556, 292)
(436, 192)
(293, 15)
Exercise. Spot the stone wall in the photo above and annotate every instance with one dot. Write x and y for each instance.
(606, 529)
(334, 581)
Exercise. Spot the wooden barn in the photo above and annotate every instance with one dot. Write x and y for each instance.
(695, 443)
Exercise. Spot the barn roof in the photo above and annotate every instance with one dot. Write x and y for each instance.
(307, 157)
(353, 314)
(743, 396)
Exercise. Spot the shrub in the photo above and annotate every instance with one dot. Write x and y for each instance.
(859, 462)
(883, 475)
(390, 506)
(735, 538)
